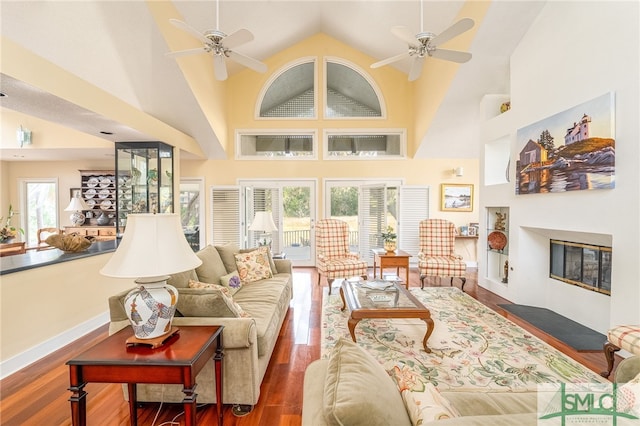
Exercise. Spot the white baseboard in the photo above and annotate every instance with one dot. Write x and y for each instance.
(43, 349)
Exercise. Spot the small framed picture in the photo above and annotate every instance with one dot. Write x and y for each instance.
(473, 231)
(75, 192)
(456, 197)
(464, 231)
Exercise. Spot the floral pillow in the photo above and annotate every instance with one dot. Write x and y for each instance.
(629, 396)
(254, 265)
(226, 294)
(427, 406)
(232, 282)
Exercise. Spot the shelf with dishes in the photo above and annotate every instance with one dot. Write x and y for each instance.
(98, 190)
(497, 256)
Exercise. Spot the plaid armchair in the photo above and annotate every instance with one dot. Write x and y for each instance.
(437, 257)
(332, 250)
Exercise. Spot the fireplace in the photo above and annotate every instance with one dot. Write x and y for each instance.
(583, 265)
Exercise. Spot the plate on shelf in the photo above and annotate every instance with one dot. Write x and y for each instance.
(106, 204)
(90, 193)
(105, 182)
(93, 182)
(104, 193)
(497, 240)
(91, 203)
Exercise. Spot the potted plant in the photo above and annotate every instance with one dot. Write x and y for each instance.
(9, 232)
(389, 239)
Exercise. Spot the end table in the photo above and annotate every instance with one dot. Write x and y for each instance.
(178, 361)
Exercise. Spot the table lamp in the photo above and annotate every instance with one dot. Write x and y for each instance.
(263, 221)
(77, 205)
(153, 247)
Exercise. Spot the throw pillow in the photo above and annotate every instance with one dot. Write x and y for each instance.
(212, 267)
(227, 254)
(224, 295)
(267, 252)
(427, 406)
(358, 391)
(253, 266)
(629, 396)
(232, 282)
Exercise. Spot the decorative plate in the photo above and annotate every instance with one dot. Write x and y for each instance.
(497, 240)
(104, 193)
(90, 193)
(91, 202)
(105, 204)
(105, 182)
(93, 182)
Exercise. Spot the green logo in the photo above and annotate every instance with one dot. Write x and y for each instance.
(592, 403)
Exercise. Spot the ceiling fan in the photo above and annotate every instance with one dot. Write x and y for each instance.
(220, 45)
(426, 44)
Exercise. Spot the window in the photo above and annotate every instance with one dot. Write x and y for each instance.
(364, 144)
(291, 94)
(39, 207)
(349, 93)
(281, 144)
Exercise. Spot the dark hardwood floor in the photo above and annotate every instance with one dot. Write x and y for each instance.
(38, 395)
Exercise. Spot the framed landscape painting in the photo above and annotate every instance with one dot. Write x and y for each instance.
(456, 197)
(569, 151)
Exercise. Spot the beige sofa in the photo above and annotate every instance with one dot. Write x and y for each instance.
(248, 340)
(351, 388)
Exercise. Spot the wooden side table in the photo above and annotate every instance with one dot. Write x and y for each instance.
(179, 361)
(398, 259)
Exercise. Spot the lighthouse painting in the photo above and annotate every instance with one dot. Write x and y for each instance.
(569, 151)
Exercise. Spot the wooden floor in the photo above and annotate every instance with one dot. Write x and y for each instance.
(38, 395)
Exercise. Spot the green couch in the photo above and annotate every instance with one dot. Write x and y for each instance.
(248, 340)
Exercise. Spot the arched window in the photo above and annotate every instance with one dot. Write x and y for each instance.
(349, 94)
(291, 94)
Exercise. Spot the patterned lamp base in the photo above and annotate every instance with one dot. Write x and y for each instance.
(77, 218)
(150, 307)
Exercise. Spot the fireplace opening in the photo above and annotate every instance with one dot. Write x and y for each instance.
(584, 265)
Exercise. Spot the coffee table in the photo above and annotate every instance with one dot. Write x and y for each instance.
(179, 360)
(389, 259)
(394, 302)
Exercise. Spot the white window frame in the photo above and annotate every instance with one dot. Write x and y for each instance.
(365, 75)
(313, 133)
(22, 188)
(402, 133)
(275, 75)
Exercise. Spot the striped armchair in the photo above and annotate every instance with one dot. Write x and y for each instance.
(332, 250)
(437, 257)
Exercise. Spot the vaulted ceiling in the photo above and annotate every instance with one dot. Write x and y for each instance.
(118, 47)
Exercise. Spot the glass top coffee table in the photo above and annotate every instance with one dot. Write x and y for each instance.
(382, 299)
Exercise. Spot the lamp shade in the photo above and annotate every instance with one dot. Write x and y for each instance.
(152, 245)
(263, 221)
(76, 204)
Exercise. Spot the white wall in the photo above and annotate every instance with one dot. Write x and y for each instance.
(574, 52)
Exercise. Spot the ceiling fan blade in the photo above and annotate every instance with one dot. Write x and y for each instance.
(416, 68)
(390, 60)
(248, 62)
(237, 38)
(404, 34)
(188, 28)
(451, 55)
(185, 52)
(219, 67)
(454, 30)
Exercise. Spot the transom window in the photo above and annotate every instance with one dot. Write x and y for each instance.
(281, 144)
(364, 143)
